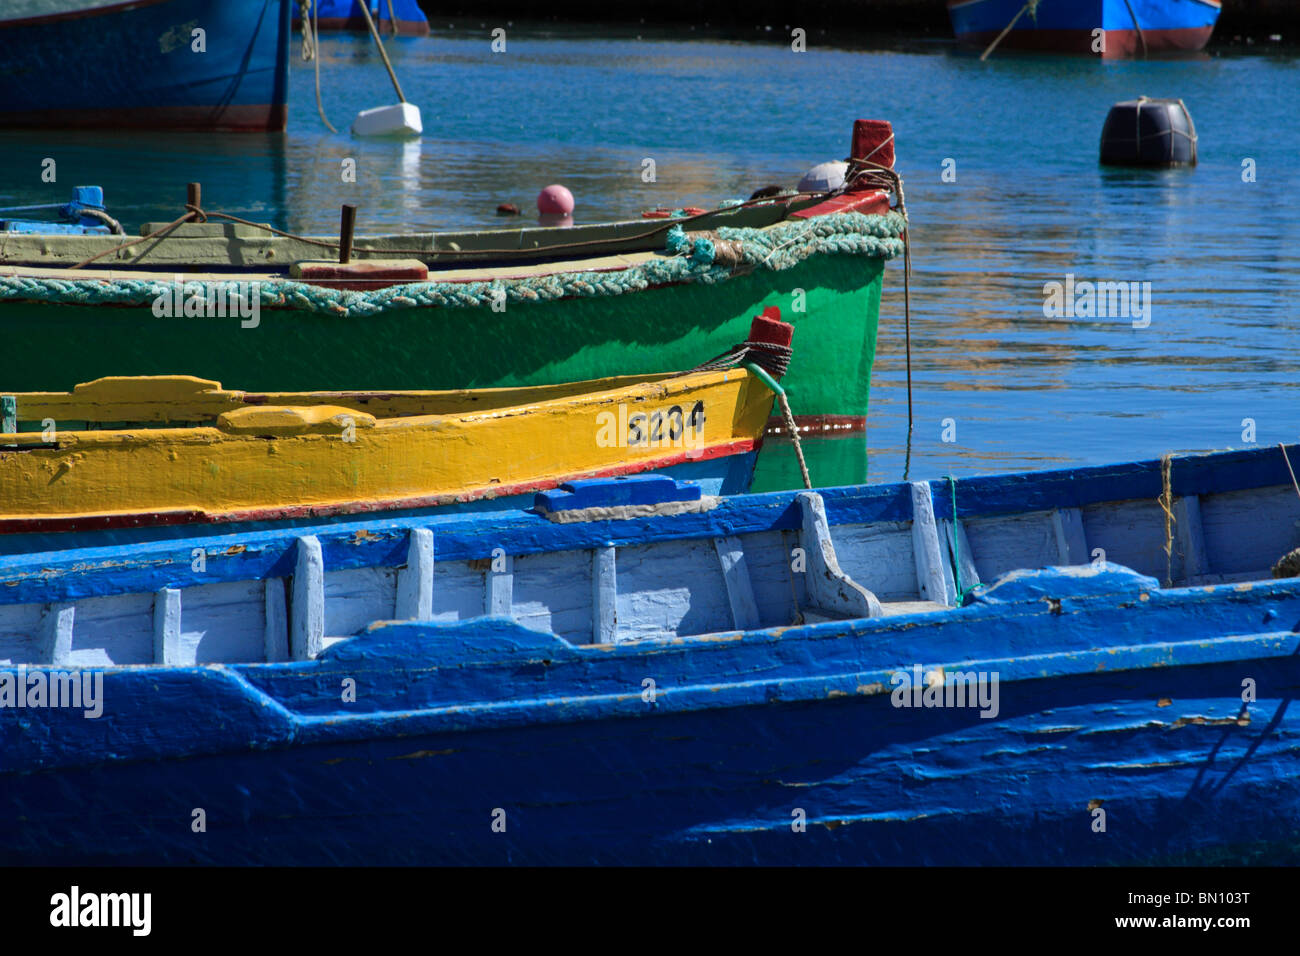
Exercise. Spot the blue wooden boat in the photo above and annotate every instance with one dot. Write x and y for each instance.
(1091, 665)
(1126, 27)
(141, 64)
(403, 17)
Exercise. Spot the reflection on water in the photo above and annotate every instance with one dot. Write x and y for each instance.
(1030, 205)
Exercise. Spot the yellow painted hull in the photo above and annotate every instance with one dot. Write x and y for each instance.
(181, 449)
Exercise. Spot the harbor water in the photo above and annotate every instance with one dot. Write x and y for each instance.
(1002, 185)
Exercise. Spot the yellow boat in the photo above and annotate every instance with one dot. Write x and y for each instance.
(137, 452)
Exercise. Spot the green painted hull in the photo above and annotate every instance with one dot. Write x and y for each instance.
(676, 327)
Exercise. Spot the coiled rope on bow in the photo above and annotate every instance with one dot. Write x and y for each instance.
(768, 361)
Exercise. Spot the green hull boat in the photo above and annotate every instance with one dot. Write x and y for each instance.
(236, 303)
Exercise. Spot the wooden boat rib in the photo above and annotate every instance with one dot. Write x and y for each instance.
(655, 693)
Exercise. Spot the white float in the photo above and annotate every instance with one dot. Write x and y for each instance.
(400, 119)
(824, 177)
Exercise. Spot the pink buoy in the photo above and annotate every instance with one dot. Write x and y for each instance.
(555, 200)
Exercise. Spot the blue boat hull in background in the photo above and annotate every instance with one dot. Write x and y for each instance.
(135, 65)
(1068, 26)
(405, 15)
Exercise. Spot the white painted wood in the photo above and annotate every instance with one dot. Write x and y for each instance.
(956, 548)
(880, 552)
(459, 595)
(167, 626)
(1189, 538)
(307, 607)
(498, 600)
(552, 593)
(932, 585)
(830, 590)
(671, 589)
(1245, 531)
(56, 634)
(223, 622)
(777, 588)
(1009, 542)
(1132, 533)
(357, 597)
(415, 581)
(113, 629)
(1071, 542)
(740, 590)
(604, 595)
(276, 644)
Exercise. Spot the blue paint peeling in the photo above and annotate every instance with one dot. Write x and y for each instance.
(1171, 710)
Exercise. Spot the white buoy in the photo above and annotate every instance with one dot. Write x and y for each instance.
(824, 177)
(400, 119)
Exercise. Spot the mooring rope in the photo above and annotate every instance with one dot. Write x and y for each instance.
(1137, 26)
(315, 55)
(1166, 504)
(794, 437)
(769, 356)
(839, 233)
(769, 361)
(1031, 6)
(1285, 458)
(956, 548)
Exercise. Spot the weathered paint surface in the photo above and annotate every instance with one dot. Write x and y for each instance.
(1102, 698)
(1170, 709)
(284, 455)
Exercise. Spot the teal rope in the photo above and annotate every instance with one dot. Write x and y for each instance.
(956, 547)
(776, 248)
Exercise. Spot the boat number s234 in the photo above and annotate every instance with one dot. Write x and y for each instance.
(668, 426)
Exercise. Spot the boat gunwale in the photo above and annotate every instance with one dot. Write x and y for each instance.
(247, 555)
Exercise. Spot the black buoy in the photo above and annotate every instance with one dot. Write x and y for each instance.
(1148, 132)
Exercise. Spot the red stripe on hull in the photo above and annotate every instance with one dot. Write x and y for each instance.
(148, 519)
(1119, 43)
(405, 28)
(231, 119)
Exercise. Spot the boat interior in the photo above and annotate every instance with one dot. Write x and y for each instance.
(742, 563)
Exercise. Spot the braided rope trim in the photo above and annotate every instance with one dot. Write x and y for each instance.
(695, 259)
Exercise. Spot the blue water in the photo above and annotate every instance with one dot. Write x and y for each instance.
(1029, 205)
